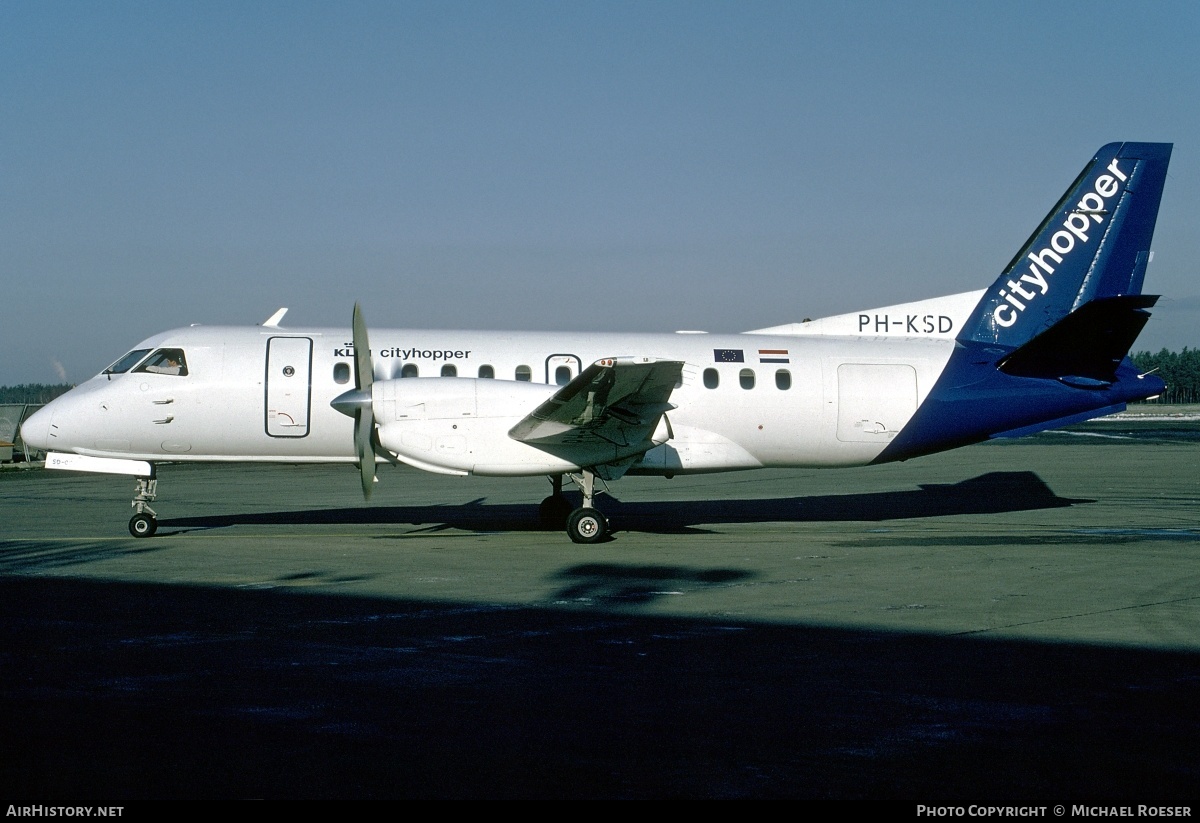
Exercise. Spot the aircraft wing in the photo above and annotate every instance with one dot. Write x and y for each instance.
(610, 412)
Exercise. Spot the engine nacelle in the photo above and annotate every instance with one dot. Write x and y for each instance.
(459, 425)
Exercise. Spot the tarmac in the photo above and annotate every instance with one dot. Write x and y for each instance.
(1017, 621)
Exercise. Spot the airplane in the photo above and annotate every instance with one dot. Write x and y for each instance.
(1044, 346)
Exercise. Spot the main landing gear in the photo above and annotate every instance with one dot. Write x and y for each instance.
(144, 522)
(555, 509)
(584, 525)
(587, 525)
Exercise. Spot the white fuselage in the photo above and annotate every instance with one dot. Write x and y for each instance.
(263, 394)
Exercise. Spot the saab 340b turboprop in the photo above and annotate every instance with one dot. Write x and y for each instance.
(1046, 344)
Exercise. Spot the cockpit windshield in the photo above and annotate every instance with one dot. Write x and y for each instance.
(127, 362)
(165, 361)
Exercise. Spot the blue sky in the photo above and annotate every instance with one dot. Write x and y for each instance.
(626, 166)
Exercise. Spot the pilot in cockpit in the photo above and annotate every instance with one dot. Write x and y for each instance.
(165, 361)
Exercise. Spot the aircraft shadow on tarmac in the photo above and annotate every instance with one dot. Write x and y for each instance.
(137, 691)
(991, 493)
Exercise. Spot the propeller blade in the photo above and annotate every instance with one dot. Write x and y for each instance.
(364, 373)
(364, 423)
(364, 415)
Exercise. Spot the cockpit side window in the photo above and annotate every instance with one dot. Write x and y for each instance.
(165, 361)
(127, 362)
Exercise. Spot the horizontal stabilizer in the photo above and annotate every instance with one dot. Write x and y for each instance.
(1085, 347)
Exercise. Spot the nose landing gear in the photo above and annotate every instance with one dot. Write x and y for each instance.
(144, 522)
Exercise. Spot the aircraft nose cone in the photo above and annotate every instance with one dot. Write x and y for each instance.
(37, 431)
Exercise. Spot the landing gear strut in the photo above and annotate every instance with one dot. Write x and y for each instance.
(587, 524)
(144, 522)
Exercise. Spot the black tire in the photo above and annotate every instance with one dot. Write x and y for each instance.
(587, 526)
(553, 512)
(142, 525)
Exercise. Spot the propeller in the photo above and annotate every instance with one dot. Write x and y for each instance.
(357, 404)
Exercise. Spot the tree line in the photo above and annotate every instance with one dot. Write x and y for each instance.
(1179, 370)
(32, 392)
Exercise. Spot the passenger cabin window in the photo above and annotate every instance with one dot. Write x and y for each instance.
(746, 378)
(409, 370)
(127, 362)
(783, 379)
(449, 370)
(712, 378)
(524, 374)
(341, 373)
(165, 361)
(562, 375)
(487, 372)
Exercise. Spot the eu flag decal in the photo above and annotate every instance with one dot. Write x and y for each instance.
(728, 356)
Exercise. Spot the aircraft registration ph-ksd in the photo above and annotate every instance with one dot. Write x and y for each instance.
(1045, 345)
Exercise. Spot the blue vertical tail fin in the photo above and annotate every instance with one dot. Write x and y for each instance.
(1093, 245)
(1048, 342)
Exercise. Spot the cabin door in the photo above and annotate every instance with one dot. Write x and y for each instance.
(289, 386)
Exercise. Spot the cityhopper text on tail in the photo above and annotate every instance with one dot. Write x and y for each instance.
(1044, 345)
